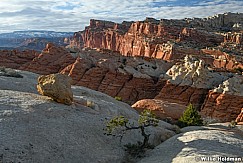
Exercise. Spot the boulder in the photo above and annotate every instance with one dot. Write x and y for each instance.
(56, 86)
(163, 109)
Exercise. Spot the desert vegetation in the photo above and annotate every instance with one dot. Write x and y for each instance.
(190, 117)
(119, 126)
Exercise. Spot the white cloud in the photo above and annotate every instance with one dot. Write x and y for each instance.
(73, 15)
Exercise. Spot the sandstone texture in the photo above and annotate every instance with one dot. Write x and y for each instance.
(226, 101)
(170, 39)
(163, 110)
(195, 143)
(131, 79)
(51, 60)
(56, 86)
(194, 73)
(36, 129)
(189, 82)
(15, 58)
(239, 119)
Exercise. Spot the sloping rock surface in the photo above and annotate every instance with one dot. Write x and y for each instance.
(36, 129)
(198, 143)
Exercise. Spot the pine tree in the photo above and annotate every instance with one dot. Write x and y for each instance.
(190, 117)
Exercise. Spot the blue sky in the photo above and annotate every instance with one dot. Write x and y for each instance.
(74, 15)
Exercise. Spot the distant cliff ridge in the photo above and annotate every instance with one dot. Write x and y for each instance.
(166, 39)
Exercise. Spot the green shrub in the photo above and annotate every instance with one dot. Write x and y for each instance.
(118, 98)
(232, 124)
(190, 117)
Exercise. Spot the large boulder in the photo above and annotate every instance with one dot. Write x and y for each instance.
(56, 86)
(163, 109)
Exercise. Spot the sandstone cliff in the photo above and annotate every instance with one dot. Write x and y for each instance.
(168, 39)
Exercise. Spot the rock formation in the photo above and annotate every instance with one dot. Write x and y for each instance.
(15, 58)
(189, 82)
(131, 79)
(169, 39)
(163, 110)
(56, 86)
(225, 102)
(239, 119)
(51, 60)
(149, 38)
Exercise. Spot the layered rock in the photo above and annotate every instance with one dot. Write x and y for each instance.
(56, 86)
(149, 38)
(225, 102)
(51, 60)
(239, 119)
(163, 109)
(236, 38)
(169, 39)
(222, 60)
(131, 79)
(189, 82)
(15, 58)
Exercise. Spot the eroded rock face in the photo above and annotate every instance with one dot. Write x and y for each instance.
(225, 102)
(232, 86)
(56, 86)
(131, 79)
(193, 72)
(163, 109)
(239, 119)
(189, 82)
(222, 107)
(15, 58)
(52, 60)
(149, 38)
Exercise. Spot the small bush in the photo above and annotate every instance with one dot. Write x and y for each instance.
(118, 98)
(190, 117)
(232, 124)
(118, 126)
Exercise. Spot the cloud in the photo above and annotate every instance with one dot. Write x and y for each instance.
(73, 15)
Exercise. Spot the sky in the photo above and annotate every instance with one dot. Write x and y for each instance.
(74, 15)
